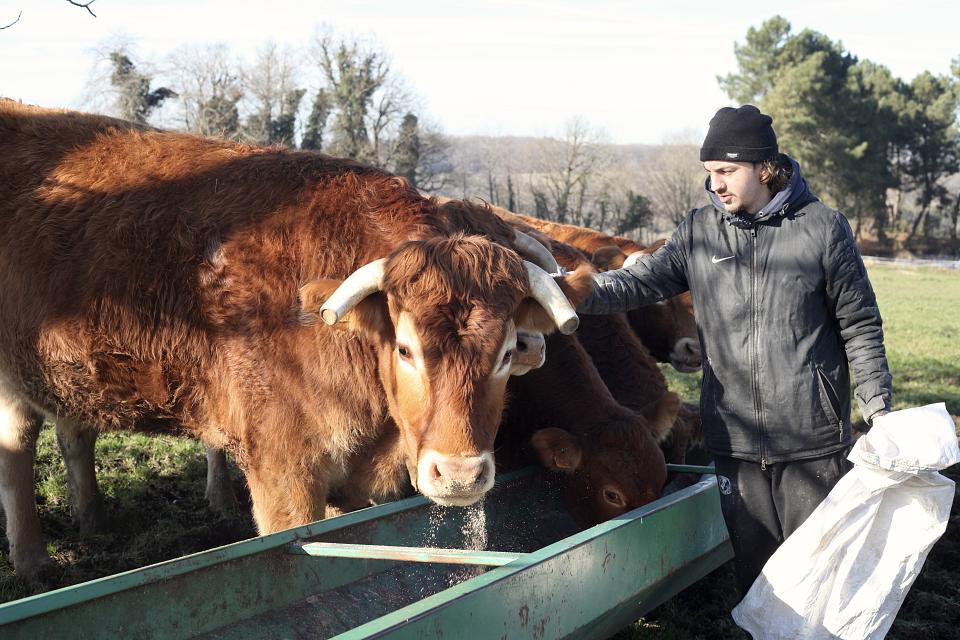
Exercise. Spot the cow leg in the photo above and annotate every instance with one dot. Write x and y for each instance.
(219, 493)
(19, 429)
(285, 494)
(78, 445)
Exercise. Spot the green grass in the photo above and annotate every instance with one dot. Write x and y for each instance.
(153, 496)
(921, 313)
(153, 486)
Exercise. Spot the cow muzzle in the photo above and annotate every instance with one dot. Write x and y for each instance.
(685, 355)
(531, 352)
(451, 480)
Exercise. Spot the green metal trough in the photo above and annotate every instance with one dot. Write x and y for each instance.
(514, 566)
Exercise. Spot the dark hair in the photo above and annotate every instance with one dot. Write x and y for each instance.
(775, 172)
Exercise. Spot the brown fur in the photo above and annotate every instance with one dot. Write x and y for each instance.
(153, 280)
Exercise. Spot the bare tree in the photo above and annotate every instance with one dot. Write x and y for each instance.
(208, 82)
(674, 178)
(7, 26)
(84, 5)
(563, 182)
(434, 167)
(271, 84)
(385, 117)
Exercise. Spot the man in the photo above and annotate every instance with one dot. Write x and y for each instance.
(784, 310)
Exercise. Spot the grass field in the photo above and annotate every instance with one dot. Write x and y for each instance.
(154, 486)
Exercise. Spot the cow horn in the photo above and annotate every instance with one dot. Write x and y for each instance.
(632, 259)
(358, 285)
(536, 252)
(547, 292)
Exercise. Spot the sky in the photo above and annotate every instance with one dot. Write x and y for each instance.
(642, 72)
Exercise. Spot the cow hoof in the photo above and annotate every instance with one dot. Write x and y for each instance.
(36, 569)
(93, 519)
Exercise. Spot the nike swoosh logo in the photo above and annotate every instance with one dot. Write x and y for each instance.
(715, 259)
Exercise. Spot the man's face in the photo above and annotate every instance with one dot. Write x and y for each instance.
(738, 185)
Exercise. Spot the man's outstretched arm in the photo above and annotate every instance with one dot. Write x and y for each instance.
(652, 278)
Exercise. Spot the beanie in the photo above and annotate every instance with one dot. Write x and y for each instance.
(742, 135)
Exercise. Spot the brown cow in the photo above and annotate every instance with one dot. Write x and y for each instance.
(159, 281)
(605, 451)
(624, 363)
(605, 454)
(668, 329)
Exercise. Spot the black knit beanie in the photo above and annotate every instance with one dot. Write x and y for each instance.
(742, 135)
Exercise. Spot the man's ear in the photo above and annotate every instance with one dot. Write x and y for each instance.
(558, 450)
(370, 318)
(576, 286)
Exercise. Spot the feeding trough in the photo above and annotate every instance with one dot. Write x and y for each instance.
(513, 566)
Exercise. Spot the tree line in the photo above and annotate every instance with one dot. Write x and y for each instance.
(357, 108)
(341, 96)
(878, 148)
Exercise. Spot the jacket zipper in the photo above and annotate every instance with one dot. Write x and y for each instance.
(827, 388)
(755, 330)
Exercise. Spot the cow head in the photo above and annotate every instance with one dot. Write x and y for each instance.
(613, 469)
(668, 328)
(443, 314)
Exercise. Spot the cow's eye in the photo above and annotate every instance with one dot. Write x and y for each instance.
(404, 352)
(507, 357)
(613, 497)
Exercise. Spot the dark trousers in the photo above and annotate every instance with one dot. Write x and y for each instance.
(762, 507)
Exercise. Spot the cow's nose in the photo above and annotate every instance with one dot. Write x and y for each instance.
(691, 349)
(460, 470)
(685, 355)
(530, 347)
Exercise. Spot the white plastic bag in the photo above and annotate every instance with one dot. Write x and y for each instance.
(845, 572)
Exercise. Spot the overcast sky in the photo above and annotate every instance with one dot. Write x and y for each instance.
(641, 71)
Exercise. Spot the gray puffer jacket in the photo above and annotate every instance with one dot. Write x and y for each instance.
(784, 309)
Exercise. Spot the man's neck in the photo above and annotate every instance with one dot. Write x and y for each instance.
(757, 209)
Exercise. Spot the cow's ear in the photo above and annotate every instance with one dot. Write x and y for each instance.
(663, 422)
(609, 257)
(558, 450)
(369, 318)
(576, 286)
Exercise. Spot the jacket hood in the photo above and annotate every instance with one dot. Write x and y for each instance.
(793, 196)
